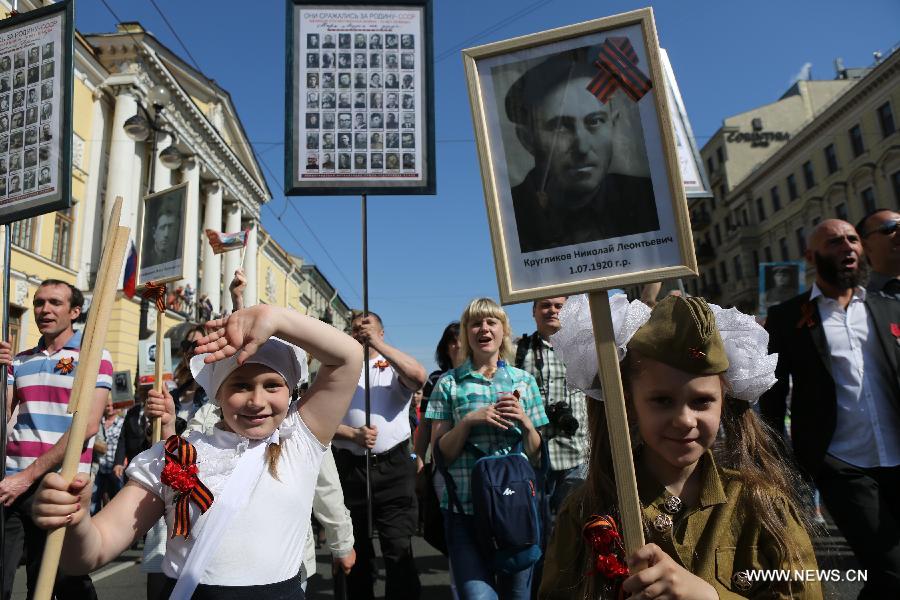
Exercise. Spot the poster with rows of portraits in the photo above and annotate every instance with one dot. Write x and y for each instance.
(360, 99)
(35, 99)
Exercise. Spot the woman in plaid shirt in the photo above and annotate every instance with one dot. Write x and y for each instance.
(468, 418)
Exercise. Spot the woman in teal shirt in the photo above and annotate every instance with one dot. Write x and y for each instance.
(465, 413)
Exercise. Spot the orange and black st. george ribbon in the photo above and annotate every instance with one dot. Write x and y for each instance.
(157, 293)
(617, 63)
(180, 473)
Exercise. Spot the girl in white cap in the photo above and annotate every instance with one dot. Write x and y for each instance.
(236, 501)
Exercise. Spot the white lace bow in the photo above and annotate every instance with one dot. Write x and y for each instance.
(751, 369)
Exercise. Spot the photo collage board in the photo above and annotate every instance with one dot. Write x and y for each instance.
(359, 91)
(30, 108)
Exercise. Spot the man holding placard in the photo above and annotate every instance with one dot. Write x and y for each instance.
(41, 384)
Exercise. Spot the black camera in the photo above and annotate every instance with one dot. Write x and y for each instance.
(561, 418)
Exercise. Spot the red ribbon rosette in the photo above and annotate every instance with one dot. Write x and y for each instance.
(382, 364)
(180, 474)
(607, 548)
(65, 365)
(807, 316)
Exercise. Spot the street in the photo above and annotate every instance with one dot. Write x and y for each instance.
(123, 578)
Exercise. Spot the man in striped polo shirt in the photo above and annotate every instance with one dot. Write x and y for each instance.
(40, 381)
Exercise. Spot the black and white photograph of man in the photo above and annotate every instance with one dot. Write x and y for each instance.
(46, 90)
(392, 161)
(5, 64)
(343, 42)
(312, 41)
(46, 70)
(312, 60)
(48, 50)
(359, 40)
(32, 96)
(46, 135)
(28, 180)
(779, 282)
(328, 141)
(19, 62)
(375, 41)
(328, 120)
(407, 42)
(344, 60)
(312, 120)
(327, 162)
(570, 193)
(4, 142)
(328, 60)
(407, 61)
(344, 161)
(376, 162)
(312, 81)
(390, 61)
(44, 177)
(161, 242)
(34, 55)
(46, 111)
(31, 157)
(359, 161)
(34, 73)
(328, 40)
(409, 160)
(392, 140)
(390, 41)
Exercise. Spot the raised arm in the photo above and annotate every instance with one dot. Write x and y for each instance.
(326, 402)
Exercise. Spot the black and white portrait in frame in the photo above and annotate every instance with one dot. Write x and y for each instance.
(162, 236)
(579, 182)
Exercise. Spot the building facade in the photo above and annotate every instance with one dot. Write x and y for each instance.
(825, 149)
(126, 81)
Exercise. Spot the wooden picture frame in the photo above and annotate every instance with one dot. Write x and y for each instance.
(359, 98)
(36, 111)
(163, 236)
(583, 193)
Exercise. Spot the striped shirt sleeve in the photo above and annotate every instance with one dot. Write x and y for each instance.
(104, 377)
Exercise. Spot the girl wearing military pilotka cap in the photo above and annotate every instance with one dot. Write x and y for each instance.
(718, 500)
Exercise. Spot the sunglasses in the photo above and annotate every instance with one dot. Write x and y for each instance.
(886, 228)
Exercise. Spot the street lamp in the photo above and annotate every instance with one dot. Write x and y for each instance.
(139, 127)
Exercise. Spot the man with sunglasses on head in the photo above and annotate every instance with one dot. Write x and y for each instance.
(881, 243)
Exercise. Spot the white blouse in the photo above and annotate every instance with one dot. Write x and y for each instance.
(264, 543)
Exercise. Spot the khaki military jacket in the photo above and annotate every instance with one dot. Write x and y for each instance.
(718, 540)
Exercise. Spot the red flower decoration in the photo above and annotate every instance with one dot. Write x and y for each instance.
(807, 316)
(180, 474)
(895, 330)
(602, 535)
(65, 365)
(180, 478)
(382, 364)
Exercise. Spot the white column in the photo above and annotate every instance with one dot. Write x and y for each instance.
(251, 294)
(162, 175)
(92, 207)
(122, 151)
(212, 264)
(191, 171)
(231, 260)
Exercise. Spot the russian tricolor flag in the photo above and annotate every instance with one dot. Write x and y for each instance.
(130, 281)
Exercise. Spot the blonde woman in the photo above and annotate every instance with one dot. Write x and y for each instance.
(470, 421)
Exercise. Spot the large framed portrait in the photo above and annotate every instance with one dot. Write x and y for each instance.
(162, 236)
(36, 112)
(578, 161)
(779, 282)
(360, 98)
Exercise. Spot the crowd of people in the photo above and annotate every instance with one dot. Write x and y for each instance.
(501, 457)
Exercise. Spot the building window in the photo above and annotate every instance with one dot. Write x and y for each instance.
(755, 256)
(718, 233)
(868, 199)
(792, 187)
(776, 200)
(785, 255)
(886, 119)
(722, 193)
(723, 271)
(767, 252)
(62, 237)
(745, 221)
(840, 211)
(856, 141)
(709, 165)
(738, 268)
(15, 327)
(809, 176)
(816, 221)
(78, 152)
(23, 233)
(831, 159)
(720, 156)
(895, 183)
(712, 203)
(760, 210)
(801, 240)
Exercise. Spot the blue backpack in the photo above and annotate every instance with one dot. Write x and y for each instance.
(509, 503)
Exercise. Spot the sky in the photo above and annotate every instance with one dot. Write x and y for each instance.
(429, 255)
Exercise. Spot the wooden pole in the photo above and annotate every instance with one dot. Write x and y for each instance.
(367, 389)
(85, 383)
(617, 423)
(160, 364)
